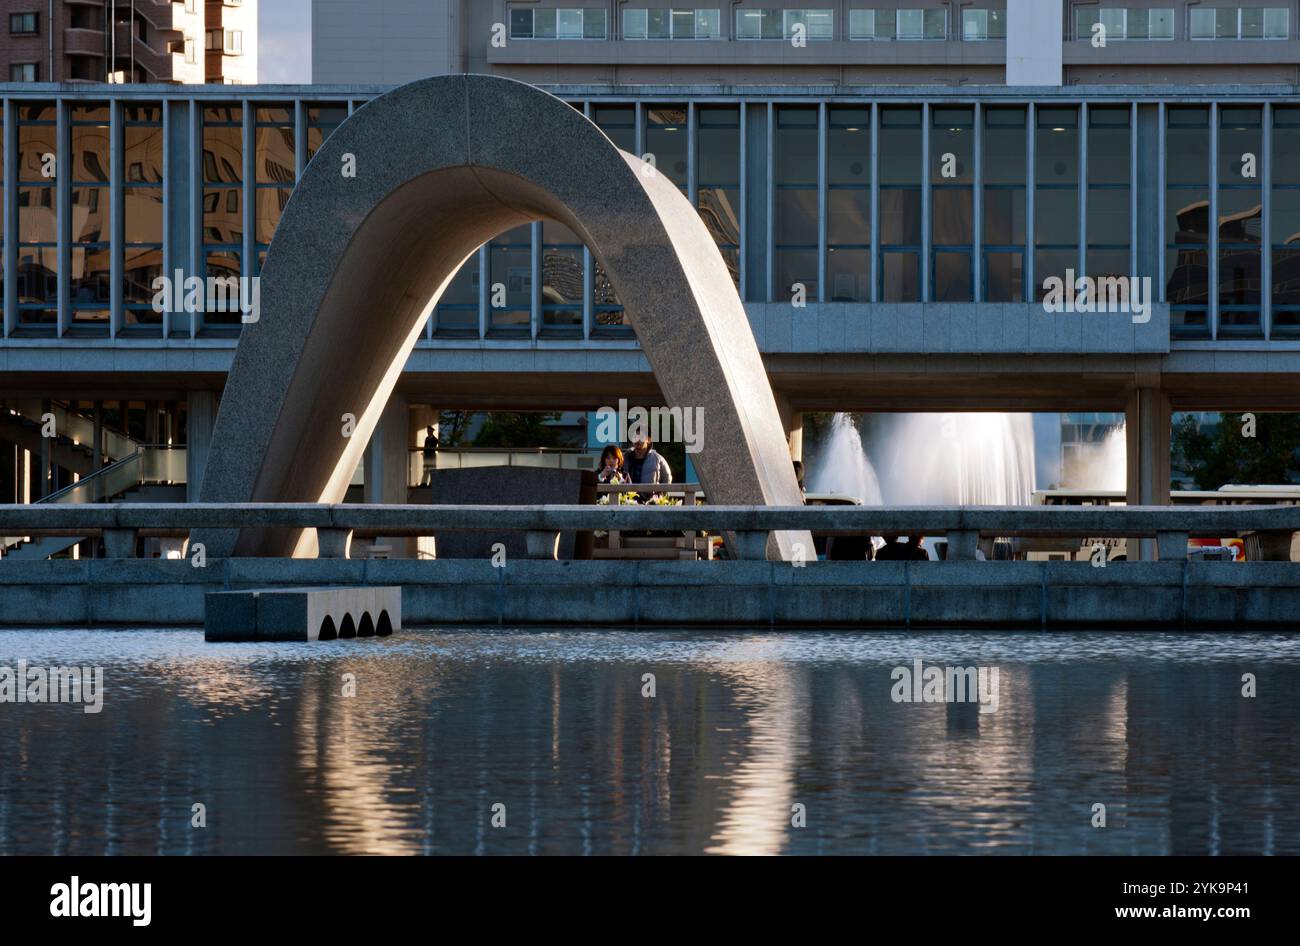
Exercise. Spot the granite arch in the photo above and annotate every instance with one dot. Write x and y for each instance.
(357, 264)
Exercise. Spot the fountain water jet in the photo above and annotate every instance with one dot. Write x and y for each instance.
(968, 459)
(843, 465)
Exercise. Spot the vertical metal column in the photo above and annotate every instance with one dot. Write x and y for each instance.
(535, 277)
(1133, 191)
(588, 272)
(484, 289)
(743, 247)
(1031, 123)
(63, 214)
(1213, 288)
(1266, 223)
(977, 204)
(117, 216)
(770, 250)
(197, 262)
(822, 199)
(1082, 255)
(1161, 198)
(11, 216)
(875, 202)
(249, 195)
(927, 235)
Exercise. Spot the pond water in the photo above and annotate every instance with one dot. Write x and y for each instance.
(751, 743)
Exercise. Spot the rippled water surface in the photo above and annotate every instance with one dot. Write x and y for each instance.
(446, 727)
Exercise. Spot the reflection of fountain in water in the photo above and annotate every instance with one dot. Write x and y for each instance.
(843, 466)
(968, 459)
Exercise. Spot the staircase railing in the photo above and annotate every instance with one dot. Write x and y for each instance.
(148, 464)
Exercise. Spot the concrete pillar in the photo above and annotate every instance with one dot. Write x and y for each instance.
(1035, 31)
(385, 466)
(202, 415)
(1148, 418)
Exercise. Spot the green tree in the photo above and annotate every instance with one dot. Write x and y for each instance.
(1230, 455)
(517, 430)
(452, 426)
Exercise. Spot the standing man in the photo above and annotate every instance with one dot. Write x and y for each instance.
(646, 465)
(430, 455)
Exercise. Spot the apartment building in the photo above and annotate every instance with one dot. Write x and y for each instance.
(230, 41)
(129, 41)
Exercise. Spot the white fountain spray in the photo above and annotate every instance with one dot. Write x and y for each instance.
(1103, 467)
(843, 465)
(967, 459)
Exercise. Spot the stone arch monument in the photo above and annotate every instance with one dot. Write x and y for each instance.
(357, 264)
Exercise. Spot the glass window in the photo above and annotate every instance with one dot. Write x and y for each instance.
(1240, 220)
(659, 24)
(1056, 194)
(796, 223)
(618, 122)
(37, 197)
(901, 163)
(457, 312)
(815, 24)
(510, 290)
(983, 24)
(321, 122)
(1202, 24)
(862, 24)
(1004, 204)
(562, 281)
(718, 179)
(569, 24)
(1277, 23)
(521, 23)
(1187, 219)
(1109, 215)
(758, 24)
(848, 199)
(952, 162)
(922, 24)
(142, 205)
(667, 138)
(634, 24)
(1285, 238)
(89, 255)
(1240, 23)
(275, 157)
(223, 211)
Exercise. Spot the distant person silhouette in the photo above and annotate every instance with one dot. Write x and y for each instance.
(899, 549)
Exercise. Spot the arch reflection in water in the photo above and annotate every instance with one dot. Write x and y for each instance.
(555, 727)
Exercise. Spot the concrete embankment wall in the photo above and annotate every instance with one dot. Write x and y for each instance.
(720, 594)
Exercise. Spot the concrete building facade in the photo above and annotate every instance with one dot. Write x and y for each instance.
(844, 42)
